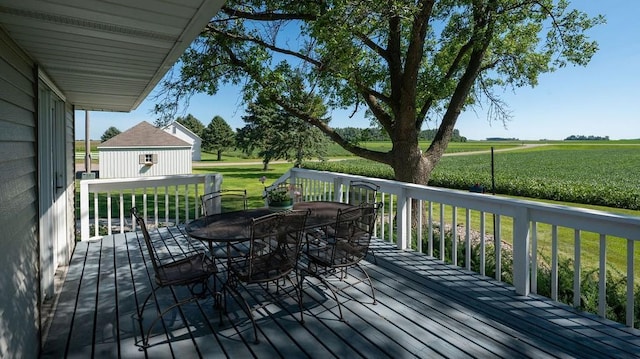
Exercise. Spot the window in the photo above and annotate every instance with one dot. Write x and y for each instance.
(148, 159)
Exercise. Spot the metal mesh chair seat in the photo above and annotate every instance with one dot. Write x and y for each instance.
(262, 269)
(195, 268)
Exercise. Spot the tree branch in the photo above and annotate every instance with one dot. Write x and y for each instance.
(378, 156)
(210, 27)
(382, 157)
(373, 46)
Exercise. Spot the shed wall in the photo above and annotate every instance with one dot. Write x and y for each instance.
(195, 141)
(122, 163)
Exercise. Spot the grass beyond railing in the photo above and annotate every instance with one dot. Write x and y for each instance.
(165, 199)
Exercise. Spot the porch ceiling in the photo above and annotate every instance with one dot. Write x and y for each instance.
(105, 55)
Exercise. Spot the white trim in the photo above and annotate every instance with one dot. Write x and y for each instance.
(42, 76)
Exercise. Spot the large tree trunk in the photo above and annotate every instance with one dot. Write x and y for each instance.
(409, 165)
(408, 162)
(219, 155)
(412, 166)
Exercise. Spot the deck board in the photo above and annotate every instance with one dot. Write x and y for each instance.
(424, 309)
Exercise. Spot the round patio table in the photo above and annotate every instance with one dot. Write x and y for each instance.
(236, 226)
(322, 212)
(225, 227)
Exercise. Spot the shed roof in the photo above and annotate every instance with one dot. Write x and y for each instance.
(182, 127)
(144, 134)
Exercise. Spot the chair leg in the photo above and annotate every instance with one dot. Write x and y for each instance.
(373, 292)
(145, 340)
(326, 283)
(245, 307)
(373, 254)
(298, 289)
(144, 304)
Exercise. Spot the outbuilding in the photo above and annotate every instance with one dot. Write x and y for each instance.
(144, 150)
(179, 130)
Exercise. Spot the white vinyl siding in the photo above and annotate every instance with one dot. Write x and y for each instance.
(133, 162)
(187, 136)
(19, 322)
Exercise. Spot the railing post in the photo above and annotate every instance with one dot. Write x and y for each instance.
(337, 189)
(212, 182)
(521, 255)
(84, 210)
(402, 217)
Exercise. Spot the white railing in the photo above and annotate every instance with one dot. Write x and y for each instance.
(531, 228)
(175, 198)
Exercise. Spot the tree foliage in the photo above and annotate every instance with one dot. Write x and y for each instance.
(275, 134)
(192, 123)
(586, 138)
(218, 137)
(110, 132)
(406, 62)
(356, 135)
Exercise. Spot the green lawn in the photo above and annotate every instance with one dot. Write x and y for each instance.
(247, 177)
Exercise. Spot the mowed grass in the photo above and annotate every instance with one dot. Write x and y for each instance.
(335, 151)
(247, 177)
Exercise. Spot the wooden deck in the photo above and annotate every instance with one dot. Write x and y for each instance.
(425, 309)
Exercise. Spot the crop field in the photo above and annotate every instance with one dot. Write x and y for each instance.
(596, 174)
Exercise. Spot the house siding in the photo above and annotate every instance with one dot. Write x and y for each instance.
(19, 259)
(124, 162)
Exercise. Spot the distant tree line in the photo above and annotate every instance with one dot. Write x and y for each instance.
(586, 138)
(274, 134)
(502, 139)
(356, 135)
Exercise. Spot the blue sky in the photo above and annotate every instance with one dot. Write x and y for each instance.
(600, 99)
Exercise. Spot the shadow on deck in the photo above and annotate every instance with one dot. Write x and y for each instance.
(425, 309)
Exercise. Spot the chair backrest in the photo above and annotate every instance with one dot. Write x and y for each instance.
(362, 192)
(147, 239)
(353, 232)
(230, 200)
(275, 245)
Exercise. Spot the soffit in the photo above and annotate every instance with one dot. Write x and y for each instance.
(105, 55)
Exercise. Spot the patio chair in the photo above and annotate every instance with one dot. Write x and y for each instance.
(228, 200)
(191, 270)
(342, 248)
(363, 192)
(224, 201)
(274, 249)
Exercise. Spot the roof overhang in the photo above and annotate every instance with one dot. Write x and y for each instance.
(105, 55)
